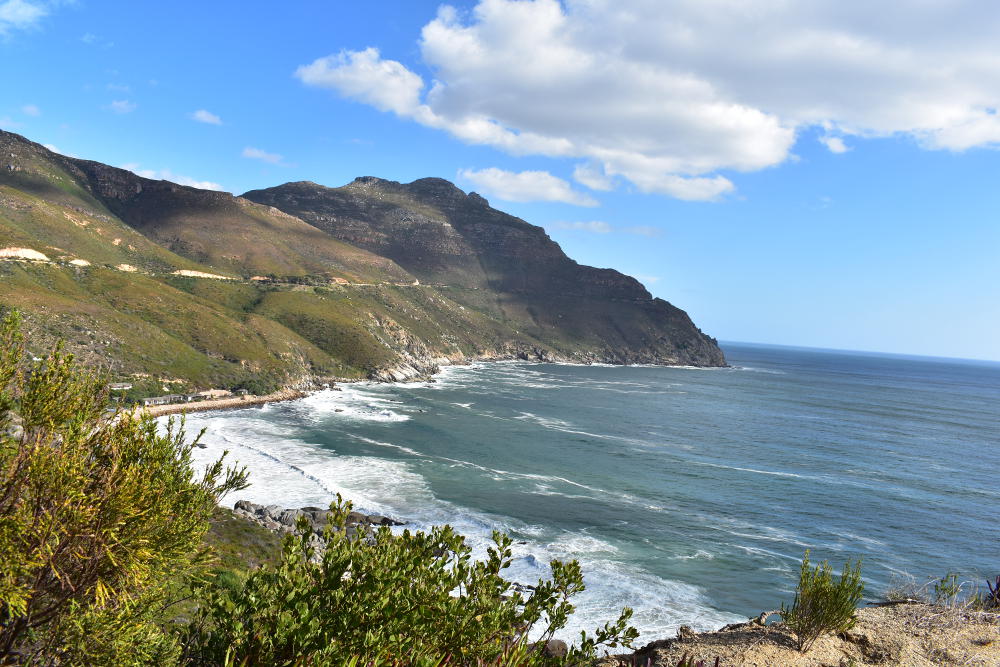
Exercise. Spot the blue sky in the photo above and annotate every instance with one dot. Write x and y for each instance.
(800, 173)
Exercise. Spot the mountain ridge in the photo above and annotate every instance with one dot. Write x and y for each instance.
(373, 279)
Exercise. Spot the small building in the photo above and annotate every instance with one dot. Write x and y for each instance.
(242, 392)
(120, 386)
(215, 393)
(162, 400)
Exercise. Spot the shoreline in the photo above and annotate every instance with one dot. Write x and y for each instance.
(292, 394)
(229, 403)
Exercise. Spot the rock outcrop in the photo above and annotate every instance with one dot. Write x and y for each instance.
(375, 279)
(496, 262)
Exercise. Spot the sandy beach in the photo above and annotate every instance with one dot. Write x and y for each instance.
(228, 403)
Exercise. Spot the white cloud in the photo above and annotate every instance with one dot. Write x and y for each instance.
(595, 226)
(118, 87)
(593, 177)
(9, 123)
(263, 156)
(167, 175)
(668, 95)
(203, 116)
(834, 144)
(525, 186)
(646, 279)
(56, 149)
(20, 15)
(363, 75)
(31, 110)
(122, 106)
(89, 38)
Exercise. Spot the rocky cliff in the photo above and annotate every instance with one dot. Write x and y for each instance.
(499, 263)
(375, 279)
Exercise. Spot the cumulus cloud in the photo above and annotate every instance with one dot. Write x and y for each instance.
(167, 175)
(203, 116)
(834, 144)
(263, 156)
(122, 106)
(31, 110)
(593, 177)
(56, 149)
(667, 96)
(20, 15)
(525, 186)
(364, 76)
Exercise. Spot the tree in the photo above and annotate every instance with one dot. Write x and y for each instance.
(98, 513)
(416, 598)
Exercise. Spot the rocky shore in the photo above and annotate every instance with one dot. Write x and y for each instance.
(285, 521)
(913, 634)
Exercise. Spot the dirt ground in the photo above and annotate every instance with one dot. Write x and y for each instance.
(907, 634)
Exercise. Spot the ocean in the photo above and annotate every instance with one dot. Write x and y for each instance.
(688, 494)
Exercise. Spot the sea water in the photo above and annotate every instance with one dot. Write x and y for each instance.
(687, 494)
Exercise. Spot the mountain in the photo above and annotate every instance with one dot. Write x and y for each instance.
(172, 285)
(499, 264)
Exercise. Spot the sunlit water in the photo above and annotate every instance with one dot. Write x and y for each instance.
(687, 494)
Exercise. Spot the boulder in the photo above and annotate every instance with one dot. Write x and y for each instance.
(553, 648)
(289, 517)
(379, 520)
(245, 505)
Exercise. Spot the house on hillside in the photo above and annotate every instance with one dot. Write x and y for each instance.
(162, 400)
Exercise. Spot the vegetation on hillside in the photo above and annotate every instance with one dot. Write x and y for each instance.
(823, 605)
(103, 558)
(98, 514)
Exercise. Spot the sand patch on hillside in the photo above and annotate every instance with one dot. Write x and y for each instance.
(199, 274)
(22, 253)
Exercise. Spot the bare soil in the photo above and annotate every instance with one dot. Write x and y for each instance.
(906, 634)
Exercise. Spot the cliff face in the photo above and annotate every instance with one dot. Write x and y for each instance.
(502, 264)
(373, 279)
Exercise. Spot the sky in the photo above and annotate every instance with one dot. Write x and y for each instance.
(816, 173)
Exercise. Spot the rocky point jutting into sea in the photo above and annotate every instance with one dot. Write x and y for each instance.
(161, 282)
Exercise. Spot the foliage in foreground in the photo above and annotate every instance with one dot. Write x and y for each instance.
(416, 598)
(821, 604)
(97, 514)
(102, 520)
(948, 591)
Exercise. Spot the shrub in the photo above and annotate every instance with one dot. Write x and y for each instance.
(97, 514)
(823, 605)
(415, 598)
(947, 589)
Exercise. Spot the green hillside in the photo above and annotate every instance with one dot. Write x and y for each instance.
(173, 287)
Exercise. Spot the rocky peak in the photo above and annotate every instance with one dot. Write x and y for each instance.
(435, 188)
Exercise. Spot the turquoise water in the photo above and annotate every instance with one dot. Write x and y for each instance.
(689, 494)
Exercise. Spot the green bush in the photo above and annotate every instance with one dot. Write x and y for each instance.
(823, 605)
(98, 514)
(416, 598)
